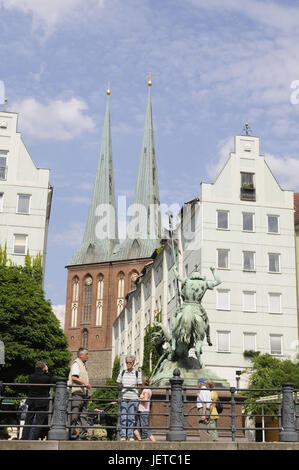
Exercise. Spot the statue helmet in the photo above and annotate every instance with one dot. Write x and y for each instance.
(197, 275)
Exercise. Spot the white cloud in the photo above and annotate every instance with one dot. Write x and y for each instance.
(48, 14)
(56, 120)
(285, 169)
(71, 237)
(224, 148)
(59, 311)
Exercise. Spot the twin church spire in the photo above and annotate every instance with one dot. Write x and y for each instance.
(100, 241)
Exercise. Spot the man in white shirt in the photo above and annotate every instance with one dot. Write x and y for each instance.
(79, 380)
(204, 400)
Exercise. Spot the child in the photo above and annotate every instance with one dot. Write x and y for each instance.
(144, 412)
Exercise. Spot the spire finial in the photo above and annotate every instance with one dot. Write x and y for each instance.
(149, 81)
(108, 92)
(246, 129)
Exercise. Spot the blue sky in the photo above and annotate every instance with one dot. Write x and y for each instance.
(215, 65)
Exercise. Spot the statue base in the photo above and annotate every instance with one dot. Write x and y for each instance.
(190, 370)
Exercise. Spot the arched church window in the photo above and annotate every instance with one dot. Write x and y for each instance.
(100, 296)
(87, 305)
(75, 298)
(85, 339)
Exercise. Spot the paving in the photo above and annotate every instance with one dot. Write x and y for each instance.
(113, 446)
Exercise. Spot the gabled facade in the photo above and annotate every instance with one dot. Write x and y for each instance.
(242, 224)
(25, 196)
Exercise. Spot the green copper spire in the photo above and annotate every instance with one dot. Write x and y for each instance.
(101, 234)
(144, 227)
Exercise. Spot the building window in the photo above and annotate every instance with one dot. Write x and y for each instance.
(276, 345)
(3, 164)
(23, 203)
(249, 341)
(20, 244)
(75, 299)
(223, 341)
(87, 305)
(223, 220)
(223, 299)
(99, 305)
(134, 277)
(273, 224)
(274, 300)
(248, 222)
(248, 260)
(85, 339)
(247, 186)
(121, 292)
(274, 262)
(1, 201)
(249, 301)
(223, 259)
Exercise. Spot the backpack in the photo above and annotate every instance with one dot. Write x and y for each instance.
(219, 407)
(136, 372)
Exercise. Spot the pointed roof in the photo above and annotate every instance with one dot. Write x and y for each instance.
(101, 234)
(146, 237)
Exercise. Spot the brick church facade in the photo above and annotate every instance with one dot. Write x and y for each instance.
(103, 271)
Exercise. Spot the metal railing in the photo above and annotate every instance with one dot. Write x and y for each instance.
(173, 415)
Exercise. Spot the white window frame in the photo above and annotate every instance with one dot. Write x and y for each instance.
(279, 265)
(243, 300)
(217, 219)
(26, 243)
(246, 269)
(277, 294)
(253, 222)
(218, 305)
(228, 258)
(272, 335)
(278, 224)
(4, 154)
(29, 205)
(226, 332)
(252, 334)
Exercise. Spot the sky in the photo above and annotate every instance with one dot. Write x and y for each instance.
(214, 64)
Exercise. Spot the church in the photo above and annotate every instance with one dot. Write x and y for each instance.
(103, 270)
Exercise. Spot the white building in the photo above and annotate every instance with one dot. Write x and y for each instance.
(25, 195)
(242, 224)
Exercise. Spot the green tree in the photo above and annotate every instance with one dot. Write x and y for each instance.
(150, 355)
(269, 373)
(29, 328)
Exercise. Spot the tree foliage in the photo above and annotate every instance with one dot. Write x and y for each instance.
(29, 329)
(269, 373)
(150, 355)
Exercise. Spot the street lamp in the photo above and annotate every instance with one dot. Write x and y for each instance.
(238, 374)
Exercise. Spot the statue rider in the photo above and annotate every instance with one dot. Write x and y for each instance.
(193, 290)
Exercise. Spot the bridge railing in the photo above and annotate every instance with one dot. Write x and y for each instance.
(173, 414)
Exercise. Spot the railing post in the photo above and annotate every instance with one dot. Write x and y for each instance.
(288, 433)
(176, 432)
(59, 432)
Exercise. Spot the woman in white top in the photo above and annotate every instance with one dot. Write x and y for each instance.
(144, 412)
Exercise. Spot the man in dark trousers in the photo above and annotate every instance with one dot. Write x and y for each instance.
(38, 403)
